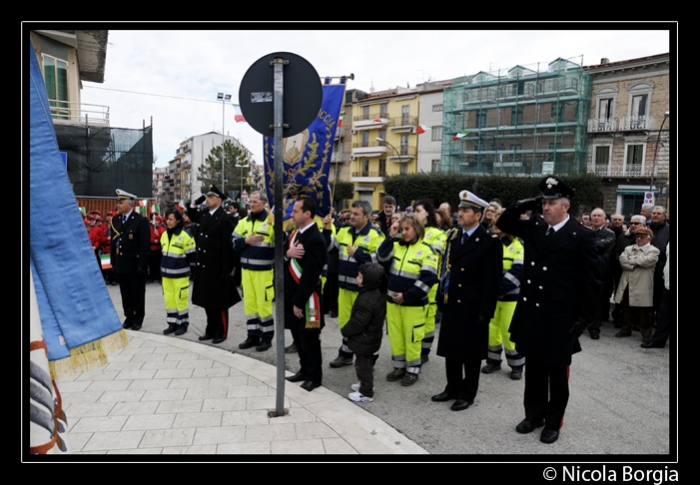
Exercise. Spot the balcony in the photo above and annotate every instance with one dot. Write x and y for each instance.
(369, 121)
(376, 177)
(63, 112)
(636, 123)
(629, 171)
(405, 154)
(602, 125)
(368, 149)
(403, 124)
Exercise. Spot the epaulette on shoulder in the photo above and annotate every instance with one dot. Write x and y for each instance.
(494, 236)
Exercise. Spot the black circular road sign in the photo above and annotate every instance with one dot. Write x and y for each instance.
(302, 94)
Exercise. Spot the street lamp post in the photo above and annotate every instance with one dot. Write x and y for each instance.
(382, 140)
(656, 152)
(223, 98)
(241, 167)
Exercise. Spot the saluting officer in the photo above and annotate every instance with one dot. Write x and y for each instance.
(213, 284)
(130, 248)
(558, 298)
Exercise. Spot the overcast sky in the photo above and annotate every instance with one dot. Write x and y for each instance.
(173, 77)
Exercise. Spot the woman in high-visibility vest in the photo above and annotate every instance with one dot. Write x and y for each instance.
(179, 253)
(413, 271)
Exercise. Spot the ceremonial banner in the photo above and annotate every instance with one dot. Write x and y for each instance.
(307, 156)
(79, 323)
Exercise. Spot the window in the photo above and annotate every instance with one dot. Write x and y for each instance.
(515, 148)
(382, 167)
(435, 166)
(605, 107)
(557, 114)
(383, 110)
(404, 144)
(516, 116)
(56, 79)
(437, 107)
(639, 104)
(405, 110)
(365, 112)
(602, 155)
(382, 135)
(365, 167)
(635, 154)
(365, 138)
(436, 133)
(403, 169)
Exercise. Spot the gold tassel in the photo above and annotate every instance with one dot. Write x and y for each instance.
(312, 324)
(91, 355)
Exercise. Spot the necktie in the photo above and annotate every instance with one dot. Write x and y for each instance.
(550, 231)
(464, 236)
(123, 219)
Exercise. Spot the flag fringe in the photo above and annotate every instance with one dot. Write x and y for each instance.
(89, 356)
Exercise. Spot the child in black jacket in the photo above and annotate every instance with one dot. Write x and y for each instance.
(364, 329)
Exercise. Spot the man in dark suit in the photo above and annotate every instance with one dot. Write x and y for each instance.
(305, 256)
(558, 299)
(470, 273)
(130, 248)
(213, 286)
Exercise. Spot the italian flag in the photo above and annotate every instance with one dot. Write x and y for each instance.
(238, 117)
(461, 134)
(422, 129)
(105, 261)
(340, 121)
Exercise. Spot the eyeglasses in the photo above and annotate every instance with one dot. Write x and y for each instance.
(631, 223)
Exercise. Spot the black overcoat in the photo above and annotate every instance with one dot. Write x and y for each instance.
(560, 283)
(131, 243)
(475, 273)
(213, 285)
(297, 294)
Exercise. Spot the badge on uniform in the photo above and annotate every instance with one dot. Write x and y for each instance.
(131, 236)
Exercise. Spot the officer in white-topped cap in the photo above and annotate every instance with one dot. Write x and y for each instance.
(469, 272)
(131, 244)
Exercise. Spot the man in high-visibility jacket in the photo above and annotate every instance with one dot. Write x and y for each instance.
(356, 244)
(254, 239)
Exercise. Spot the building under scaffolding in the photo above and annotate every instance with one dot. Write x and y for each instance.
(521, 122)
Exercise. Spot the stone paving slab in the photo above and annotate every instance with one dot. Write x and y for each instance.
(162, 395)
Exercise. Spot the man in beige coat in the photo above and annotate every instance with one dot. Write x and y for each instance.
(636, 288)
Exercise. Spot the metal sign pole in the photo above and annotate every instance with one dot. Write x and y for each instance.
(278, 89)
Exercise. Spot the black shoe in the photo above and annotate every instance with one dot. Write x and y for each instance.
(169, 330)
(461, 405)
(623, 334)
(652, 345)
(180, 330)
(298, 377)
(136, 327)
(489, 368)
(595, 335)
(549, 435)
(516, 374)
(334, 314)
(292, 349)
(424, 359)
(310, 385)
(205, 337)
(529, 425)
(127, 325)
(340, 362)
(443, 397)
(263, 346)
(218, 340)
(248, 343)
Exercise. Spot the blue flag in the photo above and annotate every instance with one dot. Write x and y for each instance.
(307, 156)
